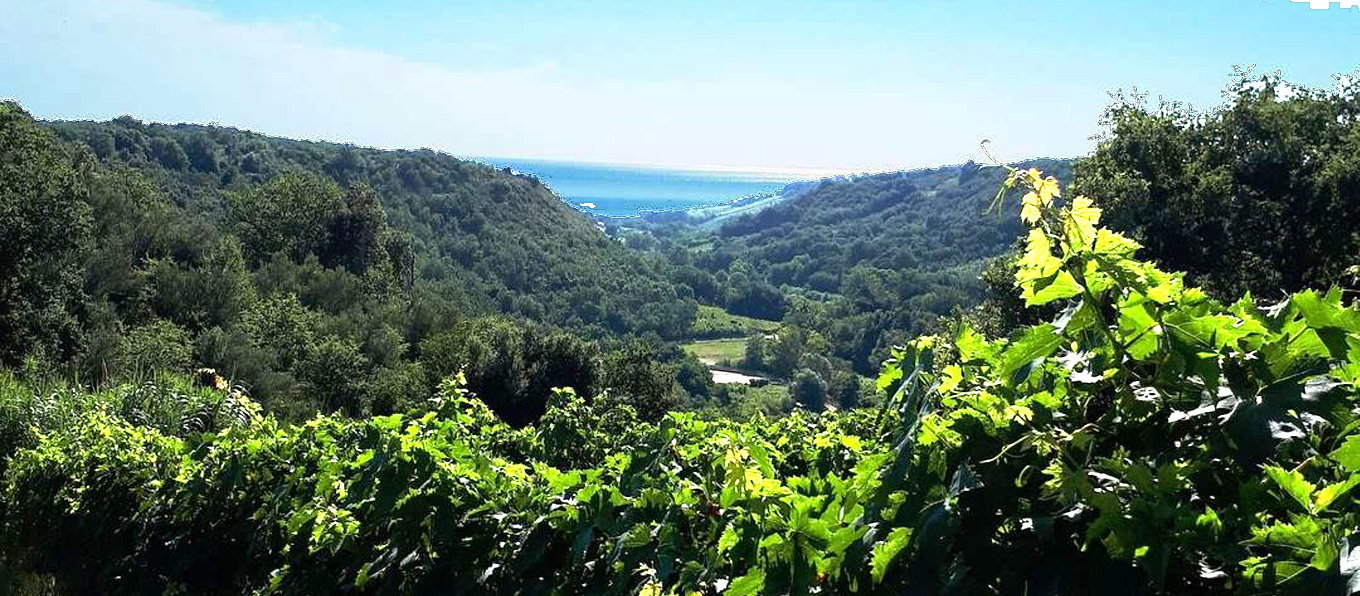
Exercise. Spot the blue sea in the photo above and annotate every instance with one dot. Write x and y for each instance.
(628, 191)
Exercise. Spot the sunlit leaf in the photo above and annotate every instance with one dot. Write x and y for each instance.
(746, 585)
(1079, 225)
(1293, 484)
(1348, 454)
(1329, 494)
(887, 550)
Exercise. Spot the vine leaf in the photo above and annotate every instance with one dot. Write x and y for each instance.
(886, 551)
(1293, 484)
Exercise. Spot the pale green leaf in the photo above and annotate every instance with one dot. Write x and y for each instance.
(1079, 225)
(887, 550)
(1056, 287)
(1348, 454)
(751, 583)
(729, 539)
(1330, 494)
(1293, 484)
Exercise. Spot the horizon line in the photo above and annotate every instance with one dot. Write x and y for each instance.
(798, 173)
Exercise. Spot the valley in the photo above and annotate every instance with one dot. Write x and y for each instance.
(236, 363)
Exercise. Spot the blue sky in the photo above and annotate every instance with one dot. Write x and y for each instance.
(787, 84)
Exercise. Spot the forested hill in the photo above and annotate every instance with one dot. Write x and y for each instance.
(484, 240)
(924, 220)
(863, 262)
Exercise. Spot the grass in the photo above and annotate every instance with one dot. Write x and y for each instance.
(718, 351)
(714, 323)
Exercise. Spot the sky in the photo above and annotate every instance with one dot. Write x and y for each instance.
(774, 85)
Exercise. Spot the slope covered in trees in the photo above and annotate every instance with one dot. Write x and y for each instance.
(852, 266)
(484, 240)
(285, 267)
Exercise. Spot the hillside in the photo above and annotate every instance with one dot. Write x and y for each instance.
(317, 277)
(485, 240)
(854, 264)
(924, 220)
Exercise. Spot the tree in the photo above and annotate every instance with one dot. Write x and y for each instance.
(1261, 194)
(290, 213)
(202, 153)
(786, 351)
(511, 366)
(694, 378)
(354, 232)
(156, 346)
(284, 326)
(45, 223)
(336, 375)
(635, 375)
(397, 389)
(169, 153)
(808, 390)
(211, 291)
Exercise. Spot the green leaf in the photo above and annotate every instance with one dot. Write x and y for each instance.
(1137, 329)
(761, 457)
(1293, 484)
(887, 550)
(638, 535)
(1330, 494)
(1213, 332)
(1348, 454)
(1039, 342)
(1039, 270)
(852, 443)
(844, 537)
(972, 346)
(1302, 535)
(1038, 260)
(1079, 225)
(1114, 246)
(729, 539)
(1055, 287)
(1325, 311)
(751, 583)
(890, 374)
(361, 579)
(1209, 521)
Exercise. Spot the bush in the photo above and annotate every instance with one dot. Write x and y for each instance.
(156, 346)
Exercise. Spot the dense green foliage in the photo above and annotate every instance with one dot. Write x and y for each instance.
(850, 267)
(322, 277)
(1260, 195)
(1150, 439)
(44, 219)
(483, 239)
(1099, 425)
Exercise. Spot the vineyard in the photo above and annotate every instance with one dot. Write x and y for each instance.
(1148, 440)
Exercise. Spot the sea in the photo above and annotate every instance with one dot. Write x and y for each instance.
(622, 191)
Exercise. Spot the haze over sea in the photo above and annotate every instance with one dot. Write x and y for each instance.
(620, 190)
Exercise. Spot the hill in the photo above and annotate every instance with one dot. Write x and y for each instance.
(484, 239)
(319, 277)
(854, 263)
(924, 220)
